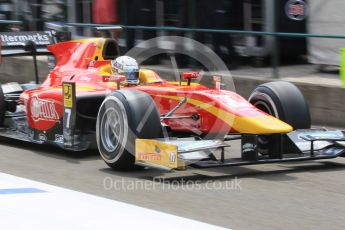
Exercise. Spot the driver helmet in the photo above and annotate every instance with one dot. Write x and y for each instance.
(127, 66)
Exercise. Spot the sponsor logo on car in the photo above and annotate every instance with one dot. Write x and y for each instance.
(43, 110)
(153, 152)
(68, 95)
(149, 157)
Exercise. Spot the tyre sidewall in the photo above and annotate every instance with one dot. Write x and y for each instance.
(135, 106)
(112, 101)
(287, 102)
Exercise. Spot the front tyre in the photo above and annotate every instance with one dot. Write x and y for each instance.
(284, 101)
(124, 116)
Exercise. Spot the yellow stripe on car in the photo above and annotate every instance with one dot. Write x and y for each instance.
(264, 124)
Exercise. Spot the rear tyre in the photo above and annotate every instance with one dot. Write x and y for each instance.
(284, 101)
(124, 116)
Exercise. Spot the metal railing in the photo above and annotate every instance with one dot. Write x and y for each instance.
(274, 51)
(11, 22)
(200, 30)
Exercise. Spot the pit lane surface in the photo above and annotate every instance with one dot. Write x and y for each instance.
(307, 195)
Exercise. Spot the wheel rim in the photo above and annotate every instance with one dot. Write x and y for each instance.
(112, 132)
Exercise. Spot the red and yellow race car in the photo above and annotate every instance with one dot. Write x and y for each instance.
(81, 104)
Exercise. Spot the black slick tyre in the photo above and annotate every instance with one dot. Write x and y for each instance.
(124, 116)
(284, 101)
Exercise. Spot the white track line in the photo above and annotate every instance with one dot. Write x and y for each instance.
(27, 204)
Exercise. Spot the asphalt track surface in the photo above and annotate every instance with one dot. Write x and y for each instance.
(309, 195)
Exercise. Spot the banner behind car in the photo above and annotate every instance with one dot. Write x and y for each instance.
(41, 38)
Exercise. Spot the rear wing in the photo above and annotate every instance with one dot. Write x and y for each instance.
(27, 43)
(90, 30)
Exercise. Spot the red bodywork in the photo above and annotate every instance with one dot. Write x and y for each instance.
(81, 62)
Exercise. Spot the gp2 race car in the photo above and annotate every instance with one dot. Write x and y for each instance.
(169, 125)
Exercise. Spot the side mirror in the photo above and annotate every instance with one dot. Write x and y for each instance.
(190, 75)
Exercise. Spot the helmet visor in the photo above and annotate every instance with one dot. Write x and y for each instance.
(132, 76)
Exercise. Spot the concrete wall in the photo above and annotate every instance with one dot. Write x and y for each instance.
(21, 69)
